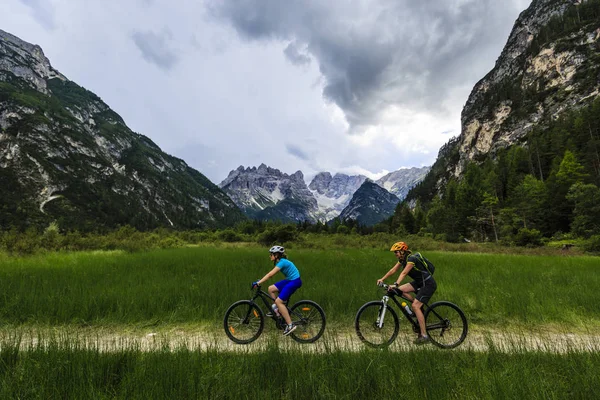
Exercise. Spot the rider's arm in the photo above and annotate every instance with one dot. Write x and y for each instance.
(269, 275)
(390, 272)
(404, 272)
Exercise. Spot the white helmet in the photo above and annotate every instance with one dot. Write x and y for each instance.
(276, 249)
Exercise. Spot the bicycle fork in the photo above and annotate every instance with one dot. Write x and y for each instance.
(381, 315)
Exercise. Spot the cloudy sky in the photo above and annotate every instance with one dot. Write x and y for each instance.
(353, 86)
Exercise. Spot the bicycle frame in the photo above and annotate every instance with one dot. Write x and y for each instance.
(267, 300)
(414, 322)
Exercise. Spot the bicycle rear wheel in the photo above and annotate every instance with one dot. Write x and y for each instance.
(309, 318)
(446, 324)
(367, 326)
(244, 322)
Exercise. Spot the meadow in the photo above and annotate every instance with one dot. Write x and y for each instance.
(195, 285)
(190, 289)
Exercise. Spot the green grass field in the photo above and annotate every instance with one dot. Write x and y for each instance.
(192, 287)
(196, 285)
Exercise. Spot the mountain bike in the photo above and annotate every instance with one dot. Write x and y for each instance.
(245, 320)
(377, 323)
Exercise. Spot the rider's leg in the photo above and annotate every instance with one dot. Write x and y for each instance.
(406, 289)
(416, 306)
(283, 310)
(423, 296)
(273, 291)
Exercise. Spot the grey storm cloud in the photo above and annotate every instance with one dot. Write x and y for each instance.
(378, 53)
(155, 48)
(296, 151)
(42, 12)
(296, 55)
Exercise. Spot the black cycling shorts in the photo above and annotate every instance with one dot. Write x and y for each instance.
(424, 290)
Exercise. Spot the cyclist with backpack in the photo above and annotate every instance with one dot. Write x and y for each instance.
(282, 290)
(421, 271)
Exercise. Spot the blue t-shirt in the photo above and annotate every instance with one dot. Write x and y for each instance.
(288, 269)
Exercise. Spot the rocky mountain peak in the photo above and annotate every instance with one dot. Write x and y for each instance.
(320, 183)
(370, 204)
(65, 156)
(401, 181)
(266, 192)
(333, 193)
(26, 61)
(548, 66)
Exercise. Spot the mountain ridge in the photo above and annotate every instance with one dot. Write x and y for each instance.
(267, 193)
(66, 157)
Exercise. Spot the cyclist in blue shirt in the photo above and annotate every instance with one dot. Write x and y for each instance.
(282, 290)
(417, 268)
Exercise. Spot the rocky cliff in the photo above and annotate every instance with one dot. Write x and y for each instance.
(266, 193)
(401, 181)
(550, 64)
(333, 193)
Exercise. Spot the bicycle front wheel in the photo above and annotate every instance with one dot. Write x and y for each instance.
(244, 322)
(446, 324)
(369, 328)
(309, 318)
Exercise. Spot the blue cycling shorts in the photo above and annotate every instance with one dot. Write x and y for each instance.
(287, 288)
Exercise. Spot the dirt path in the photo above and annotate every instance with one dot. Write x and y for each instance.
(107, 339)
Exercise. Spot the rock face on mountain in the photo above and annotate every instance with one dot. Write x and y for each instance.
(401, 181)
(550, 64)
(268, 194)
(370, 204)
(333, 193)
(65, 156)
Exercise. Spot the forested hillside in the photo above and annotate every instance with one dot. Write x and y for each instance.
(527, 163)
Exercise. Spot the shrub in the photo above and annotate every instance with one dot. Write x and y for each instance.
(528, 237)
(228, 235)
(279, 234)
(342, 229)
(592, 244)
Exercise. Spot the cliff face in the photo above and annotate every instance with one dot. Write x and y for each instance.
(65, 156)
(550, 64)
(268, 194)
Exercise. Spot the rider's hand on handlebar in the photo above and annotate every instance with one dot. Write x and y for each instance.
(254, 284)
(393, 287)
(379, 282)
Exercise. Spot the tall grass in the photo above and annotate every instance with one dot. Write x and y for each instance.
(196, 285)
(64, 370)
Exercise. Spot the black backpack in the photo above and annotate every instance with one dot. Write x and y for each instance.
(425, 264)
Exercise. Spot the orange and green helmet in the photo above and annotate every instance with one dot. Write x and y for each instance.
(401, 246)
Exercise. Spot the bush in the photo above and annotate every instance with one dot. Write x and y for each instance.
(279, 234)
(342, 229)
(528, 237)
(229, 235)
(592, 244)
